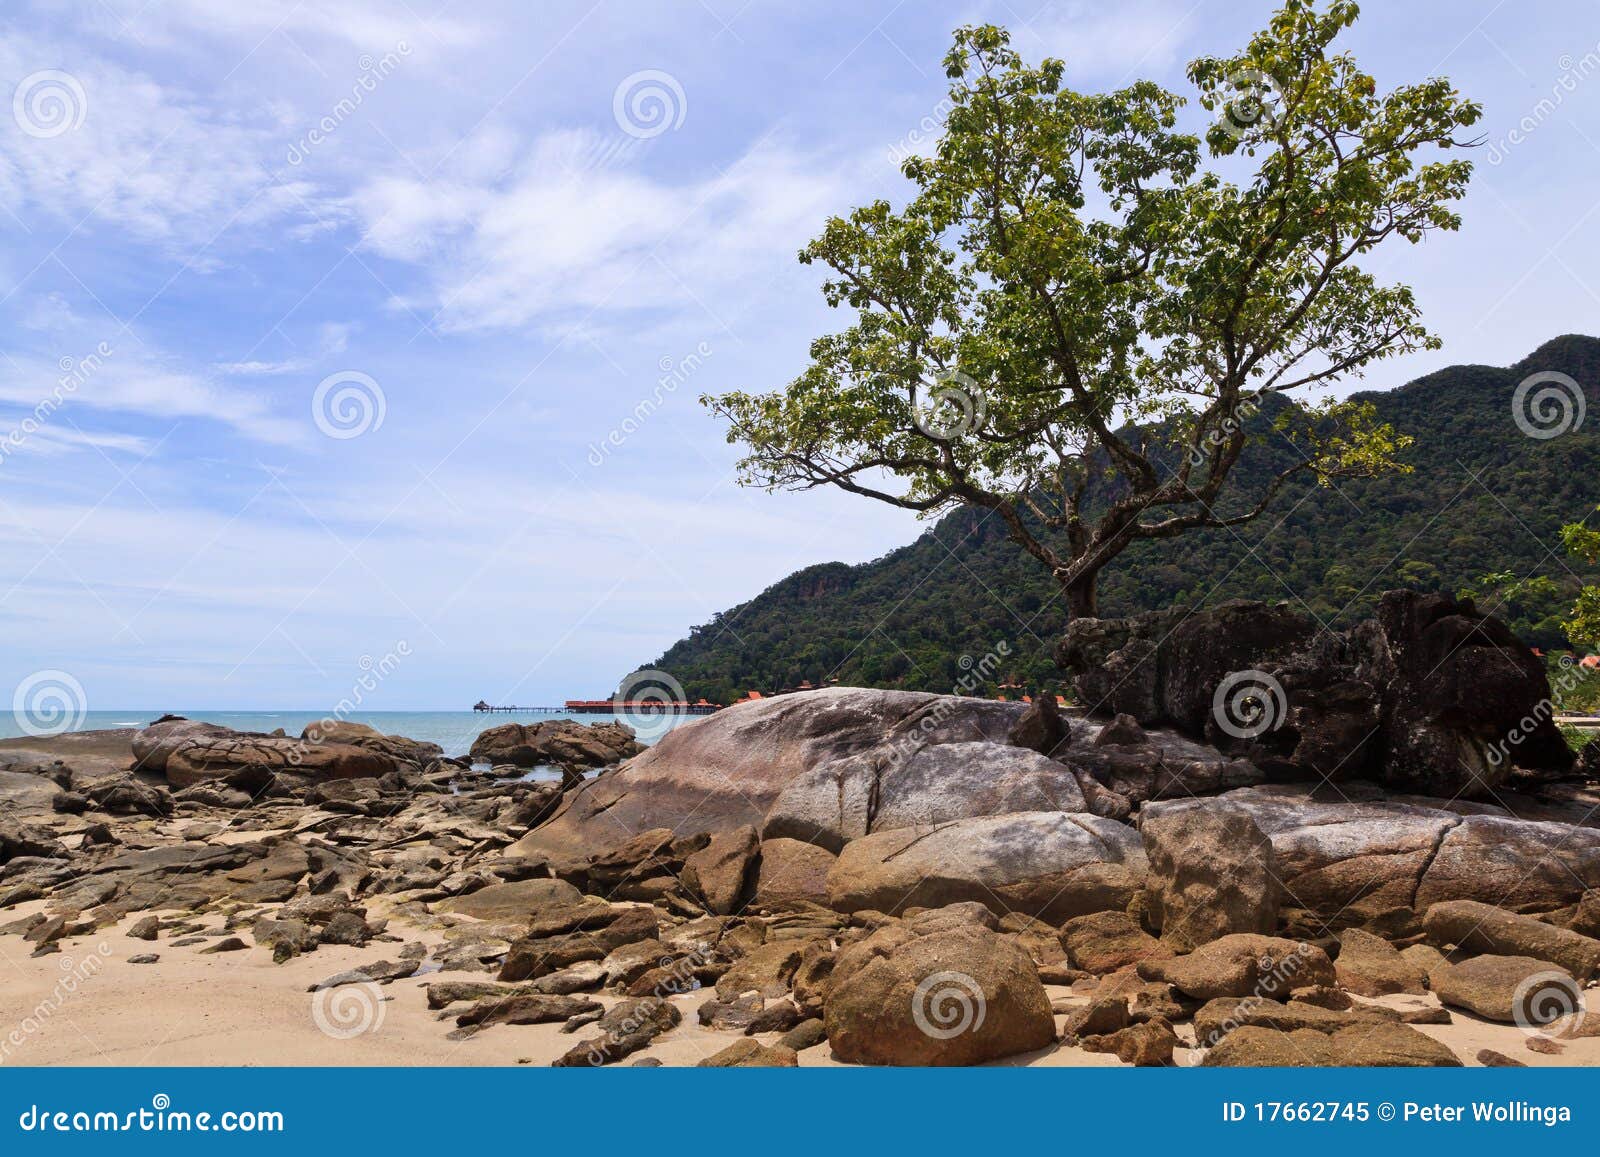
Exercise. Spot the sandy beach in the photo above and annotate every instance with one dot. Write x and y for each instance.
(242, 1009)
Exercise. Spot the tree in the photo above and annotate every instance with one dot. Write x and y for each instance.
(1583, 623)
(1074, 321)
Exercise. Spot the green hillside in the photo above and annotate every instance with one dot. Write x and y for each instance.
(1483, 497)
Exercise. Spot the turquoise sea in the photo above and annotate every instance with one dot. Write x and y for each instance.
(452, 730)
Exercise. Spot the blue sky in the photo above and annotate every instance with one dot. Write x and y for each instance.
(459, 215)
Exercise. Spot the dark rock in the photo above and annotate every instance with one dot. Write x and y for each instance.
(559, 743)
(807, 1034)
(625, 1029)
(1040, 727)
(231, 944)
(1490, 1059)
(526, 1009)
(1122, 731)
(1429, 695)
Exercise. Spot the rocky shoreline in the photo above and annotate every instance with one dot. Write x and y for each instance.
(839, 876)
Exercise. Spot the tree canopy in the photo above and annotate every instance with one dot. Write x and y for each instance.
(1072, 317)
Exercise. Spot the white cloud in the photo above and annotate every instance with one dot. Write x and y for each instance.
(1119, 42)
(575, 227)
(133, 380)
(150, 159)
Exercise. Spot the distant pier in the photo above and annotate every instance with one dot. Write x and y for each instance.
(609, 707)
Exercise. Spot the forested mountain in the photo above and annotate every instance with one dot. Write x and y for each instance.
(1483, 497)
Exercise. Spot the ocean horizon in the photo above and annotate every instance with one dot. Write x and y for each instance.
(453, 731)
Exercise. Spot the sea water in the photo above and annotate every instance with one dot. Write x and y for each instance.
(452, 730)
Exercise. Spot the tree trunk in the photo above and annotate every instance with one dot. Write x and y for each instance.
(1081, 598)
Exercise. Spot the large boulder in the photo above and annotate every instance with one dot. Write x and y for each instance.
(1212, 872)
(958, 997)
(1485, 928)
(1429, 695)
(397, 747)
(719, 873)
(1051, 865)
(155, 744)
(1504, 988)
(725, 770)
(558, 743)
(1363, 1046)
(216, 758)
(830, 766)
(1368, 965)
(26, 791)
(1243, 964)
(792, 870)
(1347, 862)
(845, 799)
